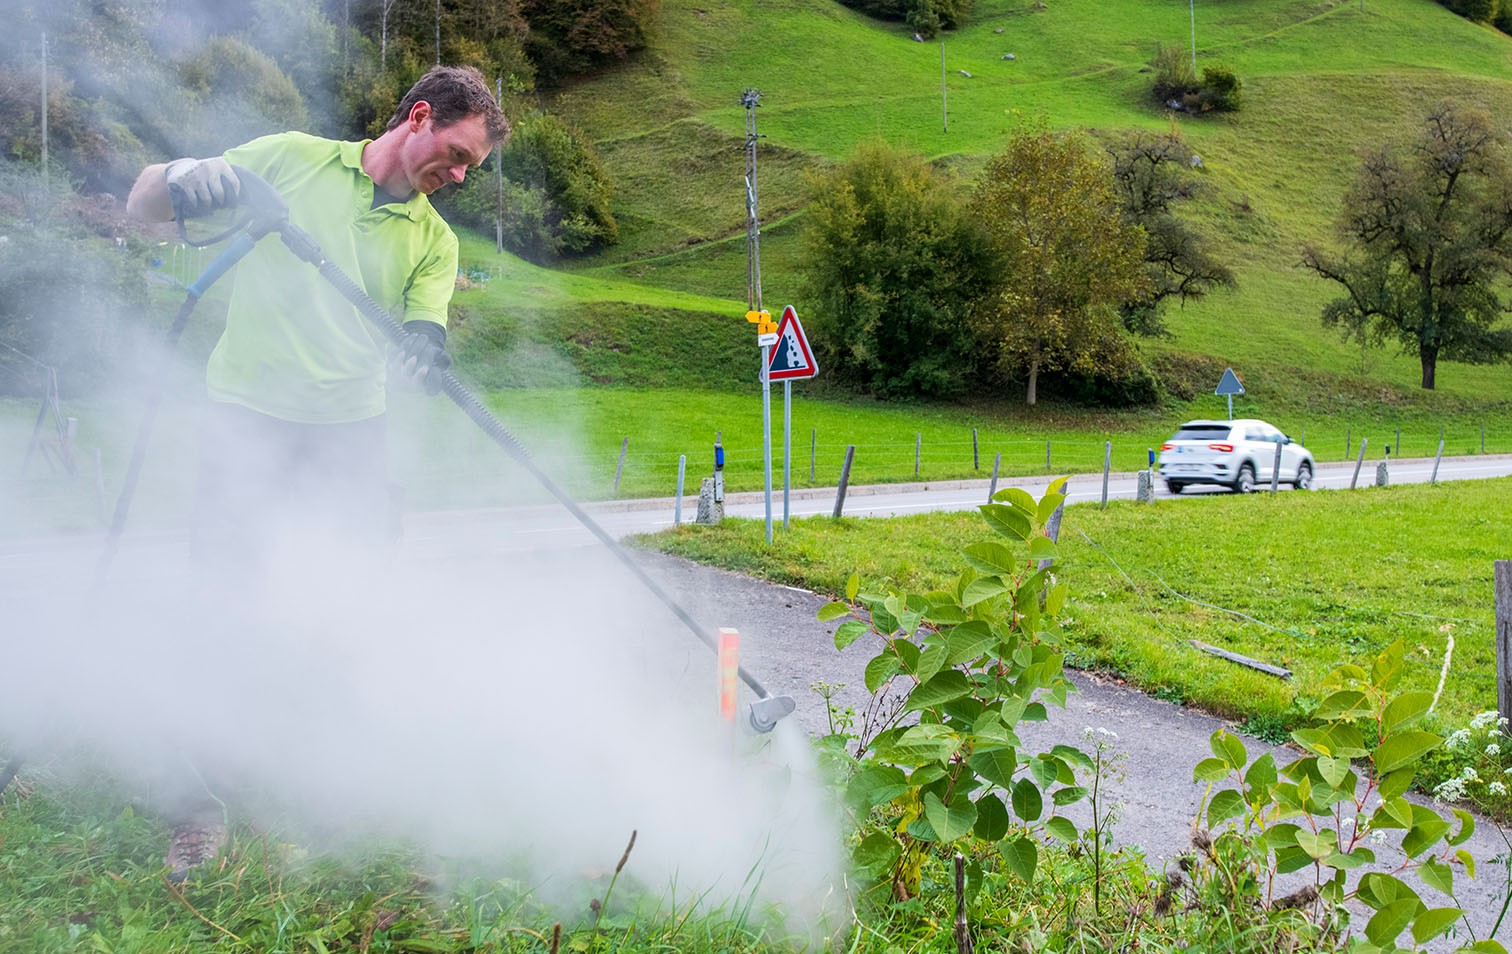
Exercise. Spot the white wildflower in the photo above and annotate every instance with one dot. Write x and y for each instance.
(1497, 788)
(1469, 774)
(1451, 790)
(1378, 837)
(1484, 720)
(1458, 740)
(1493, 749)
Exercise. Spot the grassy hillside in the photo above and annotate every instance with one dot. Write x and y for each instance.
(1323, 80)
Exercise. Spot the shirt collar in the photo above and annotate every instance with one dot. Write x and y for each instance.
(351, 157)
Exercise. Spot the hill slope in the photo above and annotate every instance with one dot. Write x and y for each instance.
(1323, 80)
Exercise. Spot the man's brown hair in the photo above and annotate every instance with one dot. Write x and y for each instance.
(454, 93)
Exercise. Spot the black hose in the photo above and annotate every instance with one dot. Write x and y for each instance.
(480, 415)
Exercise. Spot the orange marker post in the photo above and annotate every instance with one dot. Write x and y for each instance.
(729, 672)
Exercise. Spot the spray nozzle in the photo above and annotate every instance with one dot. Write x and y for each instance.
(766, 712)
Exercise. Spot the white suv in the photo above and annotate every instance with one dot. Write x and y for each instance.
(1233, 454)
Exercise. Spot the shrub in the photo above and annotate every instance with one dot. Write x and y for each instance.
(1219, 90)
(924, 17)
(1174, 76)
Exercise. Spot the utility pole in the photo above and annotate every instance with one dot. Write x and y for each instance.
(438, 32)
(765, 333)
(1192, 7)
(499, 174)
(44, 109)
(944, 104)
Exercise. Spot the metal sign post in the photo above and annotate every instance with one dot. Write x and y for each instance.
(789, 358)
(1229, 385)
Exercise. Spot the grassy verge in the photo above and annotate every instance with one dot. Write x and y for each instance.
(1304, 581)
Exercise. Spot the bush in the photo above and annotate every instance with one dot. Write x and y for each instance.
(1174, 76)
(1219, 90)
(924, 17)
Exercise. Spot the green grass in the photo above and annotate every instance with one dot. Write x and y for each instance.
(1304, 581)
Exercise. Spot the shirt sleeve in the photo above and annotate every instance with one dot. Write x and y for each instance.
(430, 290)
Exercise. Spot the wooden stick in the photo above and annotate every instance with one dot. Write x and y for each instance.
(1266, 668)
(962, 932)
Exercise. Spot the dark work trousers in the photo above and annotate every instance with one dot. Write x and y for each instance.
(267, 486)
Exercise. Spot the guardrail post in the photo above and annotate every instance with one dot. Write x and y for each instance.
(1358, 461)
(850, 453)
(1502, 578)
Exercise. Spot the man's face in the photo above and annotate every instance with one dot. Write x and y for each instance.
(434, 157)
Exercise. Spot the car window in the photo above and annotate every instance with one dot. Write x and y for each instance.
(1202, 432)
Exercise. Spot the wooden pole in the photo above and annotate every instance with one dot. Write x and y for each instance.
(1503, 582)
(682, 470)
(918, 449)
(1433, 481)
(1358, 461)
(1276, 469)
(996, 463)
(1107, 467)
(976, 459)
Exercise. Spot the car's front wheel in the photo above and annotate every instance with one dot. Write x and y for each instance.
(1304, 477)
(1245, 482)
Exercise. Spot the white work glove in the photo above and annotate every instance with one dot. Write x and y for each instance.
(200, 186)
(421, 352)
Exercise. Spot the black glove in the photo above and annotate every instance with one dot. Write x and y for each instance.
(422, 354)
(200, 186)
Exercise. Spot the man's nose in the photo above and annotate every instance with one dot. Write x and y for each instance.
(458, 173)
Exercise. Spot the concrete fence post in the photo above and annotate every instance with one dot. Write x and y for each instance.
(1107, 468)
(850, 454)
(1502, 577)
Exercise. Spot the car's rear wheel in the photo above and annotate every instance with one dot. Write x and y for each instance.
(1175, 486)
(1245, 482)
(1304, 477)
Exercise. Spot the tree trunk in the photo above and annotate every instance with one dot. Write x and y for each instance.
(1033, 394)
(1430, 367)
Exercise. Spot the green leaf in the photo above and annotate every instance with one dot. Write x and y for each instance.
(1260, 778)
(1021, 855)
(1424, 834)
(1433, 922)
(1281, 835)
(1338, 741)
(992, 818)
(1226, 804)
(1028, 803)
(1069, 795)
(852, 586)
(850, 631)
(967, 642)
(1404, 710)
(1318, 846)
(1348, 861)
(1018, 498)
(1468, 860)
(996, 766)
(1466, 829)
(1403, 748)
(833, 610)
(1227, 747)
(1395, 784)
(1041, 548)
(920, 744)
(876, 854)
(931, 661)
(1291, 858)
(983, 588)
(944, 610)
(1334, 771)
(1387, 924)
(948, 685)
(1378, 890)
(993, 559)
(1386, 671)
(1437, 875)
(951, 821)
(1061, 827)
(1488, 946)
(1007, 521)
(1338, 705)
(1046, 507)
(881, 669)
(1210, 770)
(875, 784)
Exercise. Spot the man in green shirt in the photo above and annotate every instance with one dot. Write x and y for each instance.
(293, 447)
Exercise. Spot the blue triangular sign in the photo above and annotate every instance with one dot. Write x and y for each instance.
(1229, 383)
(791, 358)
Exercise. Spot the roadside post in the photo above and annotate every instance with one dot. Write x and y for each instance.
(1145, 492)
(1276, 468)
(790, 360)
(1228, 386)
(1358, 461)
(1502, 576)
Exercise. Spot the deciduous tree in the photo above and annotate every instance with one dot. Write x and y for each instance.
(1152, 173)
(893, 262)
(1068, 258)
(1427, 229)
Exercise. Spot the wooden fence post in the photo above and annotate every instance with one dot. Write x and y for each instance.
(1358, 461)
(1107, 466)
(992, 488)
(976, 460)
(624, 449)
(1503, 581)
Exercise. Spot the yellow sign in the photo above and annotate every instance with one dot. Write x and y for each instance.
(759, 317)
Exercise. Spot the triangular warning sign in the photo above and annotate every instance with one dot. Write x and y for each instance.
(790, 356)
(1229, 383)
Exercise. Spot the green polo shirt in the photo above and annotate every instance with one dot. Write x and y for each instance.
(293, 347)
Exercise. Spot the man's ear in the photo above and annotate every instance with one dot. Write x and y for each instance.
(419, 113)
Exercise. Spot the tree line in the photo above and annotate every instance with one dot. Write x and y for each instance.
(1049, 268)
